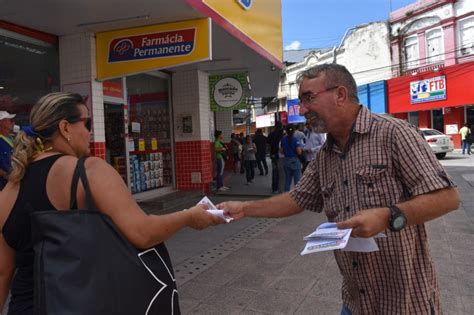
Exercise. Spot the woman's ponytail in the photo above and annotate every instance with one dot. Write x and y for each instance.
(23, 151)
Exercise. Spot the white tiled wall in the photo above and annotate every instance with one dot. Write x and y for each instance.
(224, 123)
(77, 64)
(191, 98)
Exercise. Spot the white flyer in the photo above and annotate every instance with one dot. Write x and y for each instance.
(213, 209)
(326, 237)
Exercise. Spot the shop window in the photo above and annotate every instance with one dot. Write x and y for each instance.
(411, 52)
(438, 119)
(466, 37)
(150, 130)
(413, 119)
(29, 69)
(434, 46)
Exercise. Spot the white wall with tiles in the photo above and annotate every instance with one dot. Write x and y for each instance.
(77, 64)
(224, 123)
(191, 101)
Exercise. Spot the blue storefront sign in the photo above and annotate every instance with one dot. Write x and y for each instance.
(374, 96)
(293, 109)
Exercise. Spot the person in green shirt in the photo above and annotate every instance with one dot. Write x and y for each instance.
(220, 151)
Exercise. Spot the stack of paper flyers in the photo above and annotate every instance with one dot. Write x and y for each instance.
(326, 237)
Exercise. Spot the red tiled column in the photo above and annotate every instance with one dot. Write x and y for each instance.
(194, 156)
(98, 149)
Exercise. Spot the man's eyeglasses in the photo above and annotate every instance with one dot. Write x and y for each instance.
(308, 98)
(87, 122)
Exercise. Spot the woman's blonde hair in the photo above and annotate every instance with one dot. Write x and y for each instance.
(44, 119)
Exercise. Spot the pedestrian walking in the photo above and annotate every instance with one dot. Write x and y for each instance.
(314, 142)
(365, 178)
(465, 133)
(220, 155)
(291, 149)
(236, 148)
(249, 151)
(273, 141)
(7, 123)
(261, 142)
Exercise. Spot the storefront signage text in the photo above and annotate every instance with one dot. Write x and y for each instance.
(152, 47)
(157, 45)
(428, 90)
(293, 109)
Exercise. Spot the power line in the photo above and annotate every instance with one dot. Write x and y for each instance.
(401, 64)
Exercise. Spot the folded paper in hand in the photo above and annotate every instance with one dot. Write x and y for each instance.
(328, 237)
(213, 209)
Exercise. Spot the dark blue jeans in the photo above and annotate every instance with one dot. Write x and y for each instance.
(466, 146)
(249, 169)
(292, 167)
(220, 173)
(262, 159)
(345, 310)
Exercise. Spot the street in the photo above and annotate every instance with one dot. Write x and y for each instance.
(254, 266)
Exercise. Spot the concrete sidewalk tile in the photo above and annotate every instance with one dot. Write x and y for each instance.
(328, 285)
(207, 309)
(249, 312)
(259, 243)
(266, 268)
(444, 266)
(197, 291)
(452, 304)
(314, 305)
(468, 303)
(281, 255)
(275, 302)
(212, 277)
(300, 284)
(231, 296)
(251, 281)
(310, 265)
(187, 305)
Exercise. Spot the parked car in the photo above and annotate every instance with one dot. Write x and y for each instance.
(438, 141)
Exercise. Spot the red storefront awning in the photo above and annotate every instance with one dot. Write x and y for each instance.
(459, 89)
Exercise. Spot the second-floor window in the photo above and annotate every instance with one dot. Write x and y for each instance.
(466, 37)
(411, 52)
(434, 46)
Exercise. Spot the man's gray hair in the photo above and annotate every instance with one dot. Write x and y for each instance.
(336, 75)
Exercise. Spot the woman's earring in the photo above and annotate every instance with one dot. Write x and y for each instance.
(68, 139)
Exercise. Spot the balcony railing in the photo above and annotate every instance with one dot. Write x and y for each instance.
(399, 71)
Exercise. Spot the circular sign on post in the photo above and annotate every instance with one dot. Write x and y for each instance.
(228, 92)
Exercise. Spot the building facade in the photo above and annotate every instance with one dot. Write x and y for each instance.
(145, 71)
(364, 51)
(433, 65)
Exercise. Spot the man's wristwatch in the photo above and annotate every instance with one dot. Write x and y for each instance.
(398, 220)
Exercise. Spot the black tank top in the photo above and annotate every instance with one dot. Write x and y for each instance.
(17, 232)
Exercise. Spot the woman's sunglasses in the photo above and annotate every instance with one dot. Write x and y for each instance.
(87, 122)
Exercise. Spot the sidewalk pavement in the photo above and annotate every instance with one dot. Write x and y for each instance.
(254, 266)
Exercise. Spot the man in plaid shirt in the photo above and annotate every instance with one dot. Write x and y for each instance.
(374, 174)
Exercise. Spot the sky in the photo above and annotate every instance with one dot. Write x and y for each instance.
(322, 23)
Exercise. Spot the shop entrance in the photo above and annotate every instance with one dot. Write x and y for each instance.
(470, 115)
(438, 119)
(115, 138)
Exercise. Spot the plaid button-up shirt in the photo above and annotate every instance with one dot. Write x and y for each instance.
(385, 162)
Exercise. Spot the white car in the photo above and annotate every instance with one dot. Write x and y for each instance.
(438, 141)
